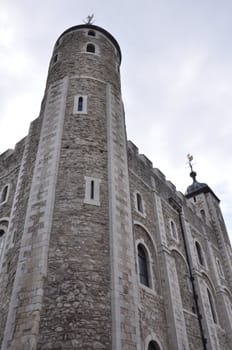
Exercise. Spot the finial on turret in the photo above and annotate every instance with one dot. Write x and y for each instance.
(89, 19)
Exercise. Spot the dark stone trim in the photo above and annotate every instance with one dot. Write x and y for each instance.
(202, 190)
(93, 27)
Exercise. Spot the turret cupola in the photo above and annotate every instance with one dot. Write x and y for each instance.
(196, 187)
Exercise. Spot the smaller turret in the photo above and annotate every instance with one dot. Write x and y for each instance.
(197, 187)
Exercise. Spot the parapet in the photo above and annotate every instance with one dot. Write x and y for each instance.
(140, 165)
(11, 158)
(6, 154)
(133, 149)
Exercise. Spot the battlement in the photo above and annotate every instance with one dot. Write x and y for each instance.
(153, 177)
(139, 161)
(7, 153)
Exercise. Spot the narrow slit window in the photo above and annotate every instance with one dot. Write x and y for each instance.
(14, 237)
(139, 203)
(2, 239)
(219, 266)
(212, 308)
(90, 48)
(4, 194)
(199, 253)
(92, 189)
(173, 230)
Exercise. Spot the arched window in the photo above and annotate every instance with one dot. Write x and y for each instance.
(202, 212)
(143, 265)
(80, 104)
(91, 33)
(212, 308)
(4, 194)
(90, 48)
(173, 229)
(153, 346)
(199, 253)
(139, 202)
(219, 267)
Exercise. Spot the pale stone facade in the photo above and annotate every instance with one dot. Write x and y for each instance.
(97, 249)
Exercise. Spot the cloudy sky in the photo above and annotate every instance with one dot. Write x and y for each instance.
(176, 77)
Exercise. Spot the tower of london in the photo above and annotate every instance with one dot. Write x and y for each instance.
(98, 250)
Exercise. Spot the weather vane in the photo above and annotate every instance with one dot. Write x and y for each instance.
(190, 159)
(89, 19)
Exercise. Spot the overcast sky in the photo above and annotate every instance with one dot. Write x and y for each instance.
(176, 78)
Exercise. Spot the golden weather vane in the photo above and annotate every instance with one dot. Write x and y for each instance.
(89, 19)
(190, 159)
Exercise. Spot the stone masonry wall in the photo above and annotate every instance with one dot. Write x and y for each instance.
(22, 163)
(145, 180)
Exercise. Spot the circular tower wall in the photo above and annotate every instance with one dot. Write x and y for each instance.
(78, 225)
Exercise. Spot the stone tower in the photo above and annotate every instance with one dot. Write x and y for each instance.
(75, 272)
(97, 249)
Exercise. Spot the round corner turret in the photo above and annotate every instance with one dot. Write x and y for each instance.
(92, 28)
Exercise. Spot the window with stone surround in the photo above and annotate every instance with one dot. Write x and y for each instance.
(90, 48)
(219, 267)
(92, 190)
(3, 229)
(212, 306)
(143, 265)
(139, 204)
(173, 230)
(2, 239)
(4, 194)
(80, 104)
(199, 253)
(230, 307)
